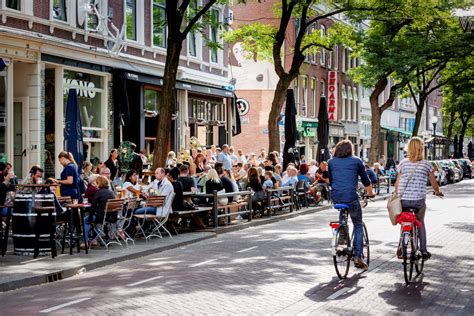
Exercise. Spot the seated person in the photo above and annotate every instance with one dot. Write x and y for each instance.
(5, 186)
(291, 178)
(130, 185)
(213, 183)
(302, 175)
(97, 211)
(186, 180)
(268, 183)
(91, 188)
(320, 186)
(162, 186)
(226, 182)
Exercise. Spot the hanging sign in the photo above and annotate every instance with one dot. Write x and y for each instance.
(332, 95)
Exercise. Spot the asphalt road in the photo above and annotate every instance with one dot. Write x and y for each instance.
(283, 268)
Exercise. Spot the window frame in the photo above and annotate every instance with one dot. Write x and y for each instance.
(304, 91)
(135, 20)
(68, 19)
(313, 89)
(165, 28)
(217, 51)
(197, 39)
(322, 52)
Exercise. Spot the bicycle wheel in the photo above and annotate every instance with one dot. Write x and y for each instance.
(366, 249)
(408, 263)
(342, 257)
(419, 261)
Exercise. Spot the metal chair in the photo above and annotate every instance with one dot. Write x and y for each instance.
(112, 206)
(301, 194)
(155, 221)
(131, 205)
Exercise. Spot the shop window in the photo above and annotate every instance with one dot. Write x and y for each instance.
(159, 23)
(13, 4)
(131, 19)
(151, 100)
(214, 35)
(91, 105)
(60, 10)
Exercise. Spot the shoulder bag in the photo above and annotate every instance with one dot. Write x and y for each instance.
(394, 203)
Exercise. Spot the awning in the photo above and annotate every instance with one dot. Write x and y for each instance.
(398, 130)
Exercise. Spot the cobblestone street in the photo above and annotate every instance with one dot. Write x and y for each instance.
(282, 268)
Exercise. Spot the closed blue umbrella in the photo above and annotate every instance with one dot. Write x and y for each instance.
(73, 130)
(290, 153)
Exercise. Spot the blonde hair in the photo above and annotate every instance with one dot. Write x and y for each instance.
(102, 182)
(68, 156)
(414, 149)
(212, 176)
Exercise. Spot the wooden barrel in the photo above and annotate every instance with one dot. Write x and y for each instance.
(24, 219)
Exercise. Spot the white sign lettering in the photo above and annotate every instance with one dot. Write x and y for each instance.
(84, 89)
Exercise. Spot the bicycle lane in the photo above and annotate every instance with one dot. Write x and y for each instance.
(444, 287)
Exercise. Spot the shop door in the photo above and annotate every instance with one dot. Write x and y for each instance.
(20, 137)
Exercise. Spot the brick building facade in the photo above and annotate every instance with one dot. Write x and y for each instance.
(49, 47)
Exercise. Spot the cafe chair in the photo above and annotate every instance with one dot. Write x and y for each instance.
(155, 221)
(131, 205)
(112, 216)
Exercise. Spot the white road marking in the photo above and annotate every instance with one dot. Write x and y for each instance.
(202, 263)
(49, 310)
(338, 293)
(32, 260)
(145, 281)
(247, 249)
(278, 239)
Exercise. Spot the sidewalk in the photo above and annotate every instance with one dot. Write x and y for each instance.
(18, 271)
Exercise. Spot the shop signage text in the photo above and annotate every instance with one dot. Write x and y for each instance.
(84, 88)
(307, 124)
(332, 93)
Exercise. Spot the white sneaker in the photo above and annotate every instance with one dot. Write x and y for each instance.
(239, 218)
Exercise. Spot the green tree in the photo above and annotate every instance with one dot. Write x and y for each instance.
(393, 49)
(458, 112)
(448, 59)
(182, 18)
(265, 40)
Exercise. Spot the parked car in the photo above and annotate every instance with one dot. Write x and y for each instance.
(467, 167)
(460, 167)
(440, 173)
(449, 170)
(456, 170)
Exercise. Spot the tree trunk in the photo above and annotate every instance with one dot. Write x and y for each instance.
(274, 116)
(417, 124)
(375, 150)
(379, 87)
(164, 124)
(452, 119)
(461, 135)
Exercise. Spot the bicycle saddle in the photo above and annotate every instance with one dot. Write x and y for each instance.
(340, 206)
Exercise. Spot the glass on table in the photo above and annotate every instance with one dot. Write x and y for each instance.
(75, 201)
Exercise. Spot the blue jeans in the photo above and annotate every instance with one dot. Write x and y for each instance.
(355, 211)
(5, 211)
(145, 210)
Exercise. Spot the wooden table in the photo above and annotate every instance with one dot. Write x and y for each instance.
(80, 207)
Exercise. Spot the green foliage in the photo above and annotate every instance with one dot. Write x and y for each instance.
(257, 40)
(125, 155)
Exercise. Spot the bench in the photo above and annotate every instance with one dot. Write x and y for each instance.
(280, 198)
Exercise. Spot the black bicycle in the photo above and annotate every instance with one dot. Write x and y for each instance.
(341, 247)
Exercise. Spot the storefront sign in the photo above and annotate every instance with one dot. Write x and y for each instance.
(332, 93)
(243, 106)
(336, 131)
(84, 88)
(307, 124)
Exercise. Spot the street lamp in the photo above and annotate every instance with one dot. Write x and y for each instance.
(434, 121)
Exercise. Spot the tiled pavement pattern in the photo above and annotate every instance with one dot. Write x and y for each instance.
(282, 268)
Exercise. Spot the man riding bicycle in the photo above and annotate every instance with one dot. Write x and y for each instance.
(344, 171)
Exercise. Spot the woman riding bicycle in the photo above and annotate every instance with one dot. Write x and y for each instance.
(413, 174)
(344, 171)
